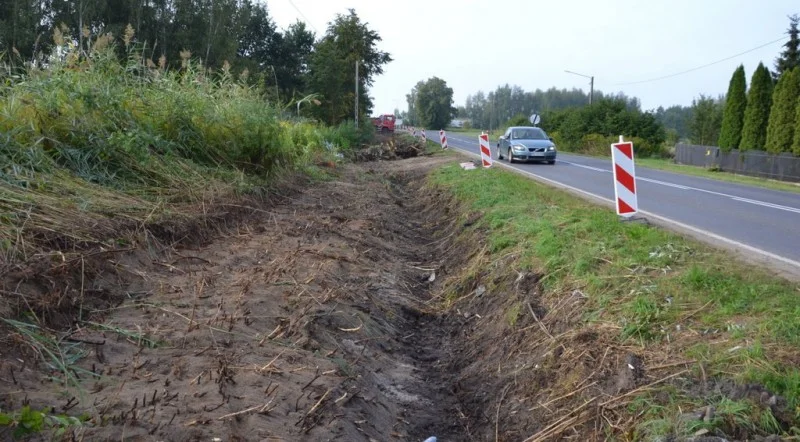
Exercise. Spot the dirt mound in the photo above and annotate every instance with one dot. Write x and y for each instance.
(392, 147)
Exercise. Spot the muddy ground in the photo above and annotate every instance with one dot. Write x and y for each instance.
(363, 308)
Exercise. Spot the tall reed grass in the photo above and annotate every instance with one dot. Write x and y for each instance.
(89, 138)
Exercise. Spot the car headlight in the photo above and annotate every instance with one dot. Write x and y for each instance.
(518, 147)
(551, 149)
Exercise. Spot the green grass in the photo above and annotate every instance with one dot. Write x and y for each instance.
(28, 422)
(642, 278)
(681, 417)
(59, 356)
(91, 139)
(668, 165)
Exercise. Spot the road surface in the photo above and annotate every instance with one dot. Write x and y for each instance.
(747, 219)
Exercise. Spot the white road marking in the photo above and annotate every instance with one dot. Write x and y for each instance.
(597, 169)
(697, 231)
(679, 186)
(663, 183)
(762, 203)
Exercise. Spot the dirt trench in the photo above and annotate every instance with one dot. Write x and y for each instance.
(311, 324)
(369, 307)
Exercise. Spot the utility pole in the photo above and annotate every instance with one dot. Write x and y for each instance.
(591, 84)
(356, 112)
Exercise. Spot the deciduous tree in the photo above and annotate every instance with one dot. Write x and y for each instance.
(434, 103)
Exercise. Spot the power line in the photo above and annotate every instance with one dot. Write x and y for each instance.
(703, 66)
(303, 15)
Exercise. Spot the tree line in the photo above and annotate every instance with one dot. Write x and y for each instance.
(493, 109)
(239, 35)
(765, 116)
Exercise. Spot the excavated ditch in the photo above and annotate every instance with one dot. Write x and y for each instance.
(310, 323)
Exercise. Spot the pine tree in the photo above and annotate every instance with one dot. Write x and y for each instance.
(733, 116)
(790, 57)
(796, 144)
(756, 115)
(780, 130)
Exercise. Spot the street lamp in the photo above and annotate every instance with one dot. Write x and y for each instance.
(591, 83)
(312, 98)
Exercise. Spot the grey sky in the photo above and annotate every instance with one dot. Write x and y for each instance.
(478, 45)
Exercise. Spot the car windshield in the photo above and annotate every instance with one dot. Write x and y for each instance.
(528, 134)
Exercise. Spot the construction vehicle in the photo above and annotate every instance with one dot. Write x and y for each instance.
(384, 123)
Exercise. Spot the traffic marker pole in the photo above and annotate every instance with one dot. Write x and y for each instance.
(624, 178)
(443, 139)
(424, 137)
(486, 152)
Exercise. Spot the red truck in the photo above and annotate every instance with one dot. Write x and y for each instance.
(384, 123)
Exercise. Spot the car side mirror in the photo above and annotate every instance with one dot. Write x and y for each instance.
(550, 138)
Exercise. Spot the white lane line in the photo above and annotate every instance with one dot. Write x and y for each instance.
(761, 203)
(678, 186)
(697, 231)
(597, 169)
(663, 183)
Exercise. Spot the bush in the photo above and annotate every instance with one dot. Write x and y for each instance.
(346, 136)
(600, 145)
(596, 144)
(518, 120)
(582, 128)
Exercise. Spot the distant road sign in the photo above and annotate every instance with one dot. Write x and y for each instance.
(535, 119)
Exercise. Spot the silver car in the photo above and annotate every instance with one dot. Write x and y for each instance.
(526, 143)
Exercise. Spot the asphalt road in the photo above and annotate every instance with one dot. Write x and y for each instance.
(750, 220)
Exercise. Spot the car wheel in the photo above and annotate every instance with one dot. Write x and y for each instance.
(499, 153)
(510, 158)
(551, 162)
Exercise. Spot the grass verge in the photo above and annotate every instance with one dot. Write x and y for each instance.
(660, 292)
(668, 165)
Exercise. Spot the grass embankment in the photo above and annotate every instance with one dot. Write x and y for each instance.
(671, 297)
(98, 156)
(670, 166)
(89, 141)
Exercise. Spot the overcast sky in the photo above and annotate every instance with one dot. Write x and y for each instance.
(478, 45)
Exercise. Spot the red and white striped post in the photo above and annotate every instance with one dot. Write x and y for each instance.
(424, 137)
(624, 178)
(443, 138)
(486, 152)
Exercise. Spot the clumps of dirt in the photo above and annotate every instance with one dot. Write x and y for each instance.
(310, 323)
(390, 148)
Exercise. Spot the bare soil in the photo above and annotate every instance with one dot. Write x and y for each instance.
(308, 323)
(366, 308)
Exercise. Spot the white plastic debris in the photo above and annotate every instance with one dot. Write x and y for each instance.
(430, 439)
